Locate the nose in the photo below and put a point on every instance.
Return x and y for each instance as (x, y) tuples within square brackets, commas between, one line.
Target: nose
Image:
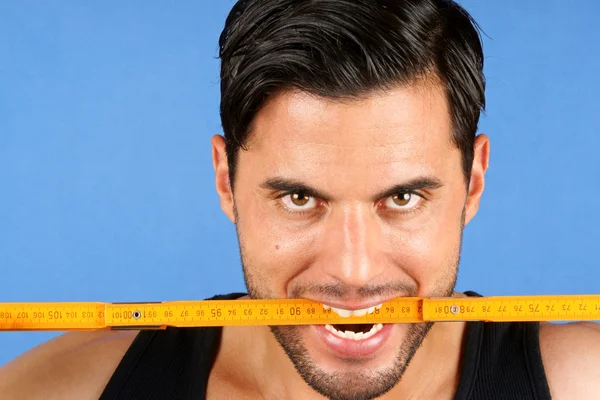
[(353, 246)]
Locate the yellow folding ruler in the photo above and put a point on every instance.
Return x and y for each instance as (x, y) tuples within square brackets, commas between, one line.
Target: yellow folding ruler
[(95, 316)]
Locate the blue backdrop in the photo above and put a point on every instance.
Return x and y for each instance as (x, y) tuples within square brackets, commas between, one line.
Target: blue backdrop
[(106, 181)]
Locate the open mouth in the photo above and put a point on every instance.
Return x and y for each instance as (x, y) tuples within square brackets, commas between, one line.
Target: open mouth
[(354, 331)]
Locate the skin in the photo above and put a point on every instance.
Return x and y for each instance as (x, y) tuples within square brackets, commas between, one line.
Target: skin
[(353, 235), (351, 239)]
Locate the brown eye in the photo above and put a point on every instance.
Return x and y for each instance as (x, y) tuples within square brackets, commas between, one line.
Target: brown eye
[(402, 199), (299, 199)]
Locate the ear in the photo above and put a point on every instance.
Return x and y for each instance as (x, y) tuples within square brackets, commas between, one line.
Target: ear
[(222, 184), (477, 181)]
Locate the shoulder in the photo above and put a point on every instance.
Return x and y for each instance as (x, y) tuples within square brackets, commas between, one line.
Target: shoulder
[(571, 354), (72, 365)]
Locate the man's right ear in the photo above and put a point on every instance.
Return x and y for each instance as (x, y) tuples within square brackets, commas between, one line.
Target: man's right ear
[(222, 183)]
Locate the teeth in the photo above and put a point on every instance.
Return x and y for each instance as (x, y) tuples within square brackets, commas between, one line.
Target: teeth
[(360, 313), (342, 312), (352, 335), (356, 313)]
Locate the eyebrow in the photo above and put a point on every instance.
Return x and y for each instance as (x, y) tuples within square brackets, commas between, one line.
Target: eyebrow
[(297, 186)]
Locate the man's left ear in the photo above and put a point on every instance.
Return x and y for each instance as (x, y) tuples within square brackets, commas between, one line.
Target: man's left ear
[(477, 181)]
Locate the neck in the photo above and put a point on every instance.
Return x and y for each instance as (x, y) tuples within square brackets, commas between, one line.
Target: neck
[(434, 372)]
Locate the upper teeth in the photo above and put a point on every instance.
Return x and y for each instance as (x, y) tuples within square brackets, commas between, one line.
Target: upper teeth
[(357, 313)]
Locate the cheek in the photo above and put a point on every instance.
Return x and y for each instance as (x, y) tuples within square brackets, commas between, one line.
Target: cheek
[(428, 249), (274, 248)]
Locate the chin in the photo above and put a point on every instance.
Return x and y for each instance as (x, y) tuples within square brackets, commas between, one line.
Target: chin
[(343, 368), (388, 347)]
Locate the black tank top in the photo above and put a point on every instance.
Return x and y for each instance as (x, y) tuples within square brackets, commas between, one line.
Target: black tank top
[(500, 361)]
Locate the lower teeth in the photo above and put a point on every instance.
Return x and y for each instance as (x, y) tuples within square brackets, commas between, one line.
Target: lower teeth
[(357, 328), (353, 335)]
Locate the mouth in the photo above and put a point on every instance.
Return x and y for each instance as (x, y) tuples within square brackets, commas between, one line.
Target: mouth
[(354, 331), (353, 340)]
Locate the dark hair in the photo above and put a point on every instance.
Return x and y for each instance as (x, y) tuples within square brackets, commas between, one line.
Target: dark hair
[(345, 49)]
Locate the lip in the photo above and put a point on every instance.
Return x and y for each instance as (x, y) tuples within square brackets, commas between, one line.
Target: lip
[(354, 306), (349, 348)]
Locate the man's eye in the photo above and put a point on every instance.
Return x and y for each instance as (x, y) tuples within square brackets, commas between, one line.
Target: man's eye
[(403, 201), (298, 201)]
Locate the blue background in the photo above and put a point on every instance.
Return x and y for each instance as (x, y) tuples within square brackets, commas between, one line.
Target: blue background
[(106, 181)]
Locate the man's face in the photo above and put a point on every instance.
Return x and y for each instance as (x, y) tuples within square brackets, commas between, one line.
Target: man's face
[(351, 204)]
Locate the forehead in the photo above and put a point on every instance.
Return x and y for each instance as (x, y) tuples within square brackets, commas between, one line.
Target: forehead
[(407, 128)]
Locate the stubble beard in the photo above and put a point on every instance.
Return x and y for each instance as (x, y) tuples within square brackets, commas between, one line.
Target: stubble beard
[(343, 385)]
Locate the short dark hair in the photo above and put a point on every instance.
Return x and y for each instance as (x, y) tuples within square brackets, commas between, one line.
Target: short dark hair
[(346, 49)]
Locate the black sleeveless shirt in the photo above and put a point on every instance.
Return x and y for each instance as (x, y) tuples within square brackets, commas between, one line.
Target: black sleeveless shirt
[(500, 361)]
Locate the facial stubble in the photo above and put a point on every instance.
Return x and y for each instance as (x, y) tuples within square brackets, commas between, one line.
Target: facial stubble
[(343, 385)]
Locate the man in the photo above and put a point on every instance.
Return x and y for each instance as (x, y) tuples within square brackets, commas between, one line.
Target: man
[(350, 166)]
